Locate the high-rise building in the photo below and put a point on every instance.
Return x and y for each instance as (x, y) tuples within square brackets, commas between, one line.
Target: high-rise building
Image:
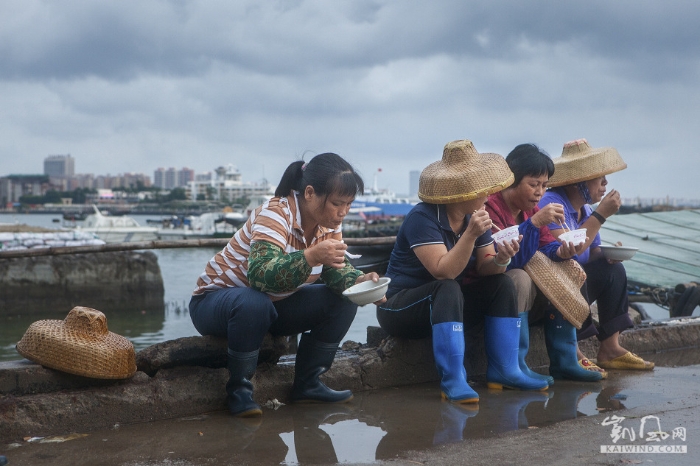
[(413, 178), (170, 178), (60, 166), (184, 176), (159, 177)]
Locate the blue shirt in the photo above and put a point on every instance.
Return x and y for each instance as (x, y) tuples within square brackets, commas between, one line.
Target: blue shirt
[(559, 196), (425, 224)]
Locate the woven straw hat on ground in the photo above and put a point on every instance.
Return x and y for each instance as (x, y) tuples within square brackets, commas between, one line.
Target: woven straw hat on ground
[(561, 283), (581, 162), (463, 174), (80, 345)]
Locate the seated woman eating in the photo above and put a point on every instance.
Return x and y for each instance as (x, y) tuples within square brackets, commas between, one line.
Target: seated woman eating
[(445, 273), (579, 180), (517, 205)]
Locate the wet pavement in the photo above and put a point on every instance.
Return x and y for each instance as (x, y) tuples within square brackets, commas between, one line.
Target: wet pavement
[(410, 425)]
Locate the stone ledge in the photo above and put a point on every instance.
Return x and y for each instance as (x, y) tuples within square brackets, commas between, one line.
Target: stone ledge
[(53, 402)]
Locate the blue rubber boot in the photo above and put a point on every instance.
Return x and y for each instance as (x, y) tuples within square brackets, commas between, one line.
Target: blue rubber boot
[(525, 347), (453, 421), (448, 349), (560, 337), (502, 339)]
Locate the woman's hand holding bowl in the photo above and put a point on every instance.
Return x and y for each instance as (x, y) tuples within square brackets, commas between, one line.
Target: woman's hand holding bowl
[(372, 276), (507, 250)]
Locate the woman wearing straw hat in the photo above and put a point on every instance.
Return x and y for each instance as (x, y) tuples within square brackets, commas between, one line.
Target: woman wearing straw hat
[(517, 205), (580, 180), (263, 281), (443, 241)]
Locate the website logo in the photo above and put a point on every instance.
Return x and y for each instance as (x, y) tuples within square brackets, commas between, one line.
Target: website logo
[(649, 438)]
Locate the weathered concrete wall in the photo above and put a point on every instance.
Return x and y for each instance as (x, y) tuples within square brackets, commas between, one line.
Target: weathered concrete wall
[(106, 281), (35, 401)]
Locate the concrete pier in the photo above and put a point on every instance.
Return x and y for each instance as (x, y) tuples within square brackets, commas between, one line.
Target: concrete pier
[(186, 377), (109, 281)]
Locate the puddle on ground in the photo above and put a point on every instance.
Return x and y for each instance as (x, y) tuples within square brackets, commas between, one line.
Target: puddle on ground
[(376, 425)]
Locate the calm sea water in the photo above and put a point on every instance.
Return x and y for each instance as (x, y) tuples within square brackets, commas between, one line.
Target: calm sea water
[(179, 268)]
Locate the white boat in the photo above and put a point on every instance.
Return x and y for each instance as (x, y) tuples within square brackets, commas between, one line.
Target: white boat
[(207, 225), (118, 229)]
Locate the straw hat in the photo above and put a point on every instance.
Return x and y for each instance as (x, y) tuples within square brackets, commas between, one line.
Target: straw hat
[(581, 162), (80, 345), (463, 174), (561, 283)]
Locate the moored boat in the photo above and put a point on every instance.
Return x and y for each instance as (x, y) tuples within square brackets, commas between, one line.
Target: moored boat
[(116, 229), (207, 225)]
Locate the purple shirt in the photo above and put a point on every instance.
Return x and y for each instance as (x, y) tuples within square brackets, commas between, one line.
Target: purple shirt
[(558, 195)]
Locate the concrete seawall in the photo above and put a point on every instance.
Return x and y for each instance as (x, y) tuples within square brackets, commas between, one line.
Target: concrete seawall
[(106, 281), (186, 377)]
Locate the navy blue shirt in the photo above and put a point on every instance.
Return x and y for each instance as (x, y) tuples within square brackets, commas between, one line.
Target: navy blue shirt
[(425, 224)]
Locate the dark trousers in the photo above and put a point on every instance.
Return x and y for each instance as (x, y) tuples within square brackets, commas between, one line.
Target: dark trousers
[(607, 284), (412, 312), (243, 315)]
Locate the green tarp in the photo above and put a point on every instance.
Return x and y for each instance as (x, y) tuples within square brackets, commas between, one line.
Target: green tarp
[(668, 242)]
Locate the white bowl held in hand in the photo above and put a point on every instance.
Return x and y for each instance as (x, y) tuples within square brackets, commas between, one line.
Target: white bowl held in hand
[(618, 253), (574, 236), (506, 235), (367, 292)]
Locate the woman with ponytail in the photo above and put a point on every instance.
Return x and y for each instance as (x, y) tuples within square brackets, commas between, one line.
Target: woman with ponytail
[(264, 280)]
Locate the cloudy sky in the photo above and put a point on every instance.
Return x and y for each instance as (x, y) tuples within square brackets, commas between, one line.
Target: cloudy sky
[(130, 86)]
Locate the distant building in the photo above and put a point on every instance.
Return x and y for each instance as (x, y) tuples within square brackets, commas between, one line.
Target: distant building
[(226, 186), (184, 176), (13, 187), (59, 166), (172, 178), (206, 176), (413, 177), (159, 178)]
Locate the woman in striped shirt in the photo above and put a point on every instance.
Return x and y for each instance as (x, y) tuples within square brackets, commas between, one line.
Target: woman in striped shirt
[(264, 280)]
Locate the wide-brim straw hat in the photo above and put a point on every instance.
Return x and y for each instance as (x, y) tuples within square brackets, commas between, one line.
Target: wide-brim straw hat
[(463, 174), (580, 162), (561, 283), (81, 345)]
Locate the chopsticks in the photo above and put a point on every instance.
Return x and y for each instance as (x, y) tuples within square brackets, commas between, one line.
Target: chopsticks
[(564, 226), (493, 225)]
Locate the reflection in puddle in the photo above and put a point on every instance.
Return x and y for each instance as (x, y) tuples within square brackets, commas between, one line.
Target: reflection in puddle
[(377, 425), (344, 441)]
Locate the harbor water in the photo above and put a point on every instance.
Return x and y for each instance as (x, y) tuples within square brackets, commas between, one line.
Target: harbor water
[(179, 268)]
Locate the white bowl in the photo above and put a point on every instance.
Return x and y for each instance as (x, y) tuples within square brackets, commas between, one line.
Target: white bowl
[(618, 253), (506, 235), (574, 236), (367, 292)]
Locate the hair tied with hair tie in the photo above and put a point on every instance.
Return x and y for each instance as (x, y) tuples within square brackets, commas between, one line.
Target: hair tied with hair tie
[(303, 167)]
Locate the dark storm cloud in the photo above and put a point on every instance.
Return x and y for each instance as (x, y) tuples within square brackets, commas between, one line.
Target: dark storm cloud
[(121, 84), (120, 40)]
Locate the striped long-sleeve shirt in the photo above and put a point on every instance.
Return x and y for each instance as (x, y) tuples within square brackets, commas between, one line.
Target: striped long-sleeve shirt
[(267, 254)]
